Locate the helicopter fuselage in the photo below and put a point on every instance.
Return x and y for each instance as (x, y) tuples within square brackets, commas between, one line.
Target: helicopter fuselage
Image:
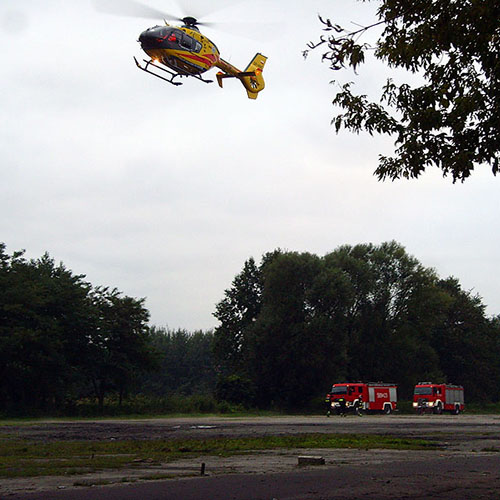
[(187, 52), (182, 49)]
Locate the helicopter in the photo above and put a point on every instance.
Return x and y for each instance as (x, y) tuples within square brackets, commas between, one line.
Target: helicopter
[(183, 51)]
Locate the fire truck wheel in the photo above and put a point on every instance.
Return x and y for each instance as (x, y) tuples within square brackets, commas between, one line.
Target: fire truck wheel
[(387, 409), (456, 411), (439, 409)]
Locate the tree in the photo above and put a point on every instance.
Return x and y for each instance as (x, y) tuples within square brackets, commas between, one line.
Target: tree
[(450, 120), (287, 352), (389, 315), (467, 343), (118, 343), (236, 312), (44, 312)]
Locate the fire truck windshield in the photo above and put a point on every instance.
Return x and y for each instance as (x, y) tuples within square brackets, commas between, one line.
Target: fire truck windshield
[(339, 390), (423, 391)]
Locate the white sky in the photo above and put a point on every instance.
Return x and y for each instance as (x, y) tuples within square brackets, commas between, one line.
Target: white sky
[(164, 192)]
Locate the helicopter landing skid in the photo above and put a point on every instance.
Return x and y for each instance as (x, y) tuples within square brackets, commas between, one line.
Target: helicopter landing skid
[(151, 63), (171, 73)]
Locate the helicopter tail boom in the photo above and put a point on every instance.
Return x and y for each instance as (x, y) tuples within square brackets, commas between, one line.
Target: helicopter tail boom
[(251, 78)]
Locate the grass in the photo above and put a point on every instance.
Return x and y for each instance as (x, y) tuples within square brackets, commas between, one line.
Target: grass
[(29, 420), (22, 458)]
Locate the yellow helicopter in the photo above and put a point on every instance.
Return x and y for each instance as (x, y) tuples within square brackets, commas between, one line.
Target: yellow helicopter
[(182, 51)]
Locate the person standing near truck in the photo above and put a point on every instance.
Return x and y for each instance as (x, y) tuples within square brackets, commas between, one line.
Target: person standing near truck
[(358, 406), (342, 407)]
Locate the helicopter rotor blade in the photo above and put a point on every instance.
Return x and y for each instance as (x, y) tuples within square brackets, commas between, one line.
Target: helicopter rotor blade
[(261, 31), (200, 10), (132, 8)]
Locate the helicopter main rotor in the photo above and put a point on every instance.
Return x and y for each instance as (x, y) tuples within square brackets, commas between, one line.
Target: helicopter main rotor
[(134, 8)]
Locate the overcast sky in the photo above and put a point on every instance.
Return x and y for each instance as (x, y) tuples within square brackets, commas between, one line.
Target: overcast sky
[(163, 192)]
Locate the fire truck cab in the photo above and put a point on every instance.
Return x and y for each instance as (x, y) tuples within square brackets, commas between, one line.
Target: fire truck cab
[(351, 396), (436, 398)]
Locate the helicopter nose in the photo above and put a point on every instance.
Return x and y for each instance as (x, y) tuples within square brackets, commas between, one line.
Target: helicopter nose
[(146, 39), (150, 40), (155, 38)]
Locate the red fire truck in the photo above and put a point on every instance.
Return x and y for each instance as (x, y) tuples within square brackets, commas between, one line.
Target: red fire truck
[(436, 398), (356, 396)]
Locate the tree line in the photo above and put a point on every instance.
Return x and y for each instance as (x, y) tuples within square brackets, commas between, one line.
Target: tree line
[(64, 341), (288, 328), (61, 338), (297, 322)]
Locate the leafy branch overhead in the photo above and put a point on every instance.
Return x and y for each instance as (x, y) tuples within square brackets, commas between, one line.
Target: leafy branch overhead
[(450, 119)]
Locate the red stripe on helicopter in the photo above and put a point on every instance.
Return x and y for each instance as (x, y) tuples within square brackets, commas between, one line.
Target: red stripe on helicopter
[(209, 59)]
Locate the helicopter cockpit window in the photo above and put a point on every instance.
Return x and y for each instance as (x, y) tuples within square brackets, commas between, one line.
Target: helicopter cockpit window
[(187, 42)]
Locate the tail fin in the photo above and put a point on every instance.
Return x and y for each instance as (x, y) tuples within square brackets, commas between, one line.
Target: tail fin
[(252, 78)]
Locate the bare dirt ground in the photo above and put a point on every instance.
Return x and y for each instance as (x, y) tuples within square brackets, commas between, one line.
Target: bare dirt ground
[(470, 443)]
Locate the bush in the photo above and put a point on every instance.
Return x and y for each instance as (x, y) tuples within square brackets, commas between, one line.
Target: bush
[(236, 390), (146, 405)]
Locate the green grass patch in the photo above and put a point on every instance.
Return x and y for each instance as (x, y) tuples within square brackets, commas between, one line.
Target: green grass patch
[(22, 458)]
